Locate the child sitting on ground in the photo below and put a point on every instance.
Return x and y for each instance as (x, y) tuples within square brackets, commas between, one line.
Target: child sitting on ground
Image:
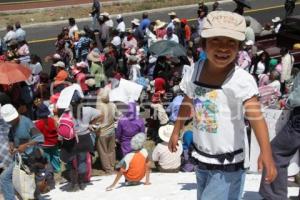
[(166, 161), (187, 164), (135, 165)]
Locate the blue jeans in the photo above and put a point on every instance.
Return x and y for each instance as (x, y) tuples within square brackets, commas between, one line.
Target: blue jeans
[(219, 185), (6, 183)]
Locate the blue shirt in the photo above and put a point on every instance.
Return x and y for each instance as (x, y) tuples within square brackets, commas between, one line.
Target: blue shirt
[(173, 108), (145, 23), (22, 133)]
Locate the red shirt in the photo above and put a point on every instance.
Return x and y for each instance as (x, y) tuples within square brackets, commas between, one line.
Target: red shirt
[(48, 130), (80, 78)]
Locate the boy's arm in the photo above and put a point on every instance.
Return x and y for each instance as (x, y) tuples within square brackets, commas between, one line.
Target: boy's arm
[(184, 112), (257, 121)]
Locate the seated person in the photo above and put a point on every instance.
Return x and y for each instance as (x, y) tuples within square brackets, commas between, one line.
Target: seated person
[(165, 160), (186, 161), (135, 165)]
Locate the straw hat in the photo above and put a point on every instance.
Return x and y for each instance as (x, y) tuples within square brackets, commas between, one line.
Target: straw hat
[(59, 64), (136, 21), (172, 13), (105, 14), (93, 56), (165, 132), (159, 24)]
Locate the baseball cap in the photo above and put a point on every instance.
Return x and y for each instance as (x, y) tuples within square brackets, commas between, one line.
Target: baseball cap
[(9, 112), (224, 23), (59, 64)]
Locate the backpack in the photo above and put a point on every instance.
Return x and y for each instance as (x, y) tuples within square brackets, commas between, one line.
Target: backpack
[(65, 127)]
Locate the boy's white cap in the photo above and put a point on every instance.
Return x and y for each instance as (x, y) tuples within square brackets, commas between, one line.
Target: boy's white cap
[(165, 132), (9, 112), (276, 19), (224, 23)]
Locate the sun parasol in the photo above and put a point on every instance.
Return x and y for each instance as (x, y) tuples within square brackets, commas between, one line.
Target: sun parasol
[(11, 73), (167, 48)]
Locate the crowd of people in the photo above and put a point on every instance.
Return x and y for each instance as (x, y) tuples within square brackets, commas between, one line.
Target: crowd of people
[(180, 109)]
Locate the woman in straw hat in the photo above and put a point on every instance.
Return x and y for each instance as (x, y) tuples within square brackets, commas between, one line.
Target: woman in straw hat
[(97, 69), (160, 29)]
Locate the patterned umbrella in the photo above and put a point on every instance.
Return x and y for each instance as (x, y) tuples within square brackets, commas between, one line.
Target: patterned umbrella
[(11, 73)]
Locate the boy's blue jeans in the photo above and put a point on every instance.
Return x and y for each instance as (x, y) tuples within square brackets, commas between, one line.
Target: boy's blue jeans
[(6, 183), (220, 185)]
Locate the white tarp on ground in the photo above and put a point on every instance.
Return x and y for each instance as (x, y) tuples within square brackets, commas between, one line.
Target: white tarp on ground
[(178, 186)]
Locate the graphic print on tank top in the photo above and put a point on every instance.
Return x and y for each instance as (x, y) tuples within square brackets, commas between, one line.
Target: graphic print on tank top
[(206, 109)]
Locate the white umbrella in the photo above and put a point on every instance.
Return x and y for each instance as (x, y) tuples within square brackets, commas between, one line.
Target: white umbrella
[(127, 91), (66, 95)]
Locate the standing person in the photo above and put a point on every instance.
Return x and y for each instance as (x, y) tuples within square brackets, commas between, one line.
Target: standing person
[(217, 106), (145, 23), (76, 151), (95, 13), (287, 61), (23, 136), (121, 27), (284, 146), (10, 34), (20, 33), (128, 126), (105, 141), (239, 8), (289, 7)]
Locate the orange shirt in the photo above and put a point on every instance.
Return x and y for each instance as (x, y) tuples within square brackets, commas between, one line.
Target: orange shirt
[(135, 165)]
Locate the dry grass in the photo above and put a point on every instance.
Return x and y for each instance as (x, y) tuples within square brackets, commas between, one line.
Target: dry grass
[(57, 14)]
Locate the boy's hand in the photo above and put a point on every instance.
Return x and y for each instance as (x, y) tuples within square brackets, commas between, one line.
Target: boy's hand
[(266, 162), (173, 143)]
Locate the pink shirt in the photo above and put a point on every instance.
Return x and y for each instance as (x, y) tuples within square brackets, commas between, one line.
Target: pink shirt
[(80, 78)]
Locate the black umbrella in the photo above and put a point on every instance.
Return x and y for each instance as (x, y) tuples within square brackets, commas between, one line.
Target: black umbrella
[(167, 48), (245, 3)]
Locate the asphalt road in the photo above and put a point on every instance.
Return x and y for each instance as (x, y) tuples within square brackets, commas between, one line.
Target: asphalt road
[(42, 38)]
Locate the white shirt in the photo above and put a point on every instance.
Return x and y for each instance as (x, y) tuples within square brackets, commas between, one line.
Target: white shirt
[(116, 41), (121, 27), (165, 158), (10, 35), (173, 38), (250, 35), (20, 34), (109, 23), (160, 113), (219, 114), (260, 68), (287, 65), (72, 31)]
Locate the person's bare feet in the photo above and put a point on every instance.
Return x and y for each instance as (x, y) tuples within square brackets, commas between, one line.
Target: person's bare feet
[(147, 183)]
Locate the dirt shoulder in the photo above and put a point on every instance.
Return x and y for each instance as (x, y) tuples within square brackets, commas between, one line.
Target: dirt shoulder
[(82, 11)]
